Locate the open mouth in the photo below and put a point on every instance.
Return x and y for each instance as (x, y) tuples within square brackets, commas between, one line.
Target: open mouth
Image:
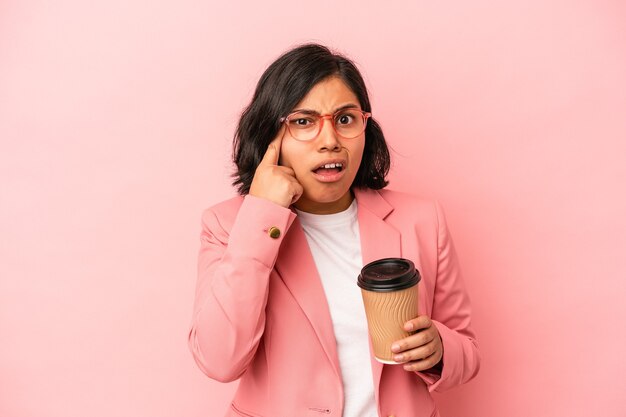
[(327, 169)]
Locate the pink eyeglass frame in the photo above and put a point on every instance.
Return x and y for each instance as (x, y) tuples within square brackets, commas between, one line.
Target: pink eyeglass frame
[(366, 115)]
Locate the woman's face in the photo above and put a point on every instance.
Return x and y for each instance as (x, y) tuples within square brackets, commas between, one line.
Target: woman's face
[(325, 190)]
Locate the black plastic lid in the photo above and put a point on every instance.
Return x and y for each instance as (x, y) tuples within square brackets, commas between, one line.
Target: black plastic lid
[(389, 274)]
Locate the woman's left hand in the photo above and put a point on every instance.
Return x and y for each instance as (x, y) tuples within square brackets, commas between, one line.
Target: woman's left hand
[(422, 350)]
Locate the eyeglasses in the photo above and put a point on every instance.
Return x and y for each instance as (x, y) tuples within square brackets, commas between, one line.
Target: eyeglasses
[(305, 125)]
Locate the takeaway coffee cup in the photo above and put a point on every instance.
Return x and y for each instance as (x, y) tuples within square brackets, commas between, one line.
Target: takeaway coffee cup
[(389, 289)]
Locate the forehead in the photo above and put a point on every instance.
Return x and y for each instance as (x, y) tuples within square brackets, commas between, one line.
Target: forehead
[(327, 95)]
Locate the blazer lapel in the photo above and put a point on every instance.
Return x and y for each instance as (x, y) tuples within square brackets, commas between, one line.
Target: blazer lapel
[(296, 267), (378, 240)]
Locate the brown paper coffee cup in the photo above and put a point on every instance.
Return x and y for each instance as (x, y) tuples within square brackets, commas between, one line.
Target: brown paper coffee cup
[(390, 293)]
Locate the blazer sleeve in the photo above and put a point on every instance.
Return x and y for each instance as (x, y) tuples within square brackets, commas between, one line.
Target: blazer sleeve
[(451, 314), (234, 268)]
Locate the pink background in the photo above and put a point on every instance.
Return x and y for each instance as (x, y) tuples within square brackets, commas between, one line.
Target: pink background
[(116, 120)]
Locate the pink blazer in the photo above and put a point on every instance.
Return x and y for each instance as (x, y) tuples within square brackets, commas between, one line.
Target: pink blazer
[(260, 313)]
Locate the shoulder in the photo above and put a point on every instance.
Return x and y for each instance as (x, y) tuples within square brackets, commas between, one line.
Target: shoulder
[(246, 211), (405, 208), (423, 212), (399, 199), (404, 202), (223, 214), (226, 207)]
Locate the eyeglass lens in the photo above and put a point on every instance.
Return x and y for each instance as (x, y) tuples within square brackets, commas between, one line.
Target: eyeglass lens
[(348, 123)]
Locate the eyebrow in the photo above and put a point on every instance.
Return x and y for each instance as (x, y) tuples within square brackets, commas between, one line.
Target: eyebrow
[(309, 111)]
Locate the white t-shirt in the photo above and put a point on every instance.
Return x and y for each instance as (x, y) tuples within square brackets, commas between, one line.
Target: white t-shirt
[(335, 243)]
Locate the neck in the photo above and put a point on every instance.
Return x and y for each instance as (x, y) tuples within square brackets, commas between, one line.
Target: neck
[(315, 207)]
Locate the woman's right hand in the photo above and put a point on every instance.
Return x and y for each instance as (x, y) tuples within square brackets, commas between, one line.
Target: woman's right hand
[(274, 182)]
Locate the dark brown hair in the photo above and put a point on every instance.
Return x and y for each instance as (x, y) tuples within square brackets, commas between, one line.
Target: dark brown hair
[(281, 87)]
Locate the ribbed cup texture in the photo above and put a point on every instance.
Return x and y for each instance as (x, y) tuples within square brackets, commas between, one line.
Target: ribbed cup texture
[(386, 314)]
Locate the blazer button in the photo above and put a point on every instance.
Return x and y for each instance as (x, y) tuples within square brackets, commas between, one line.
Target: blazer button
[(274, 232)]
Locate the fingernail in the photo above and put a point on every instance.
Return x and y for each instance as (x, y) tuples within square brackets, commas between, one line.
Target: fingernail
[(395, 348), (398, 358), (408, 326)]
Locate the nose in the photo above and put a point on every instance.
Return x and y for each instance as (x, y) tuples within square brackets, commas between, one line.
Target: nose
[(327, 139)]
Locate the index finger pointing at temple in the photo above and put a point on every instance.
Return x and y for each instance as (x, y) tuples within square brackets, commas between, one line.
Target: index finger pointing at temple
[(272, 154)]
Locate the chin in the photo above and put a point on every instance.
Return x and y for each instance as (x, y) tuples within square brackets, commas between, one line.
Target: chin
[(328, 196)]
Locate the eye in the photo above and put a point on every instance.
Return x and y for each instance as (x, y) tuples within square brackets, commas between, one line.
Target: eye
[(345, 118), (301, 120)]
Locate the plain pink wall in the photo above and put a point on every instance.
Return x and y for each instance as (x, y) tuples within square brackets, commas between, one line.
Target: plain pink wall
[(115, 122)]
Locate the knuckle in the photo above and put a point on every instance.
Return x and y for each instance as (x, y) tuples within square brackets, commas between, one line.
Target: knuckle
[(422, 338), (411, 367)]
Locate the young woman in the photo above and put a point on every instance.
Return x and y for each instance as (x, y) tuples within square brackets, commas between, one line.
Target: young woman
[(277, 305)]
